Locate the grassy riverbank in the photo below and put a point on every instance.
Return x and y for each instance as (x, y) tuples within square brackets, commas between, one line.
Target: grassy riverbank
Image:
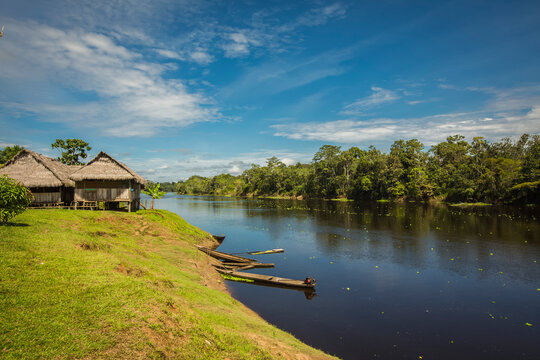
[(83, 284)]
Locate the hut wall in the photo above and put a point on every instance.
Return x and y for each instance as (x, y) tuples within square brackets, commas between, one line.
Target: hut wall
[(68, 194), (102, 190), (50, 195), (135, 196)]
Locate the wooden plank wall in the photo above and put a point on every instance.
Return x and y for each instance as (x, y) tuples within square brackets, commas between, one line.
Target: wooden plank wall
[(47, 197), (110, 194)]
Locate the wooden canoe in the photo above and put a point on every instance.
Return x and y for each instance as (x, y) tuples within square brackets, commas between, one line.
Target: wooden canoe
[(268, 279), (254, 264), (262, 252), (219, 238), (224, 256)]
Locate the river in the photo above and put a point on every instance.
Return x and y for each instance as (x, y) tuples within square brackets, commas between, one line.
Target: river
[(394, 281)]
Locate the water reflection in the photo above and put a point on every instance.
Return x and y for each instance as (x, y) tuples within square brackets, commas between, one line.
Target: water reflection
[(395, 280)]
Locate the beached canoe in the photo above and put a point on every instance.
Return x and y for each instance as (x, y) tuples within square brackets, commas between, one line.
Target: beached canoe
[(308, 283), (219, 238), (254, 264), (262, 252), (224, 256)]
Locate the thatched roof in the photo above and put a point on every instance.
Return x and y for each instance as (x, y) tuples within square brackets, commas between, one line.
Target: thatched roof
[(35, 170), (104, 167)]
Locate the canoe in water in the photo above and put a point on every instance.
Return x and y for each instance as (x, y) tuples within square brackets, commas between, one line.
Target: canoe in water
[(224, 256), (273, 251), (219, 238), (308, 283)]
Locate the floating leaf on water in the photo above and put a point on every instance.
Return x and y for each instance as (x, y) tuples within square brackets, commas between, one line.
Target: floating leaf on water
[(418, 272), (348, 289), (480, 269), (451, 259), (431, 249), (376, 266), (528, 324), (493, 302), (490, 254), (331, 262)]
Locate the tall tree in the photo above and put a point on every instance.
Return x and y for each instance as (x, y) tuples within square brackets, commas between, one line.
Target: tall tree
[(74, 150), (8, 153)]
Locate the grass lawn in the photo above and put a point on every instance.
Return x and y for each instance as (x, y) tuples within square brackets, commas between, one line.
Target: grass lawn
[(94, 284)]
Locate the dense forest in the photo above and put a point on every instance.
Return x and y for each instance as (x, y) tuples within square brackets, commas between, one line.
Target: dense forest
[(454, 170)]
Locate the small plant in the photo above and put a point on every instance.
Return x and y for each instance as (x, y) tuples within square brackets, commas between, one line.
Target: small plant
[(153, 191), (14, 199)]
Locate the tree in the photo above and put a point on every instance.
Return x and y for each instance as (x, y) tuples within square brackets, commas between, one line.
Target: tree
[(14, 198), (73, 150), (153, 191), (8, 153)]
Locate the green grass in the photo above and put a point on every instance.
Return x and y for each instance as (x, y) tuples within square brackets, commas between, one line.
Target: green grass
[(94, 284)]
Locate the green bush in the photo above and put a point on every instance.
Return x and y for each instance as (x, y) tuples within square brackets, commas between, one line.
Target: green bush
[(14, 198)]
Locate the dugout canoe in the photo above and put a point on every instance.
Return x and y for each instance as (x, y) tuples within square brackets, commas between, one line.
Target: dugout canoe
[(224, 256), (254, 264), (262, 252), (268, 279)]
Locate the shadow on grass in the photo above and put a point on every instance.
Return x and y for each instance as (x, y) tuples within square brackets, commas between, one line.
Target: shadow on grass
[(13, 224)]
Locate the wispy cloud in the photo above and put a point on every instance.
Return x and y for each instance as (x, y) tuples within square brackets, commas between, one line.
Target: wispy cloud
[(273, 77), (165, 168), (508, 113), (133, 97), (378, 96), (316, 16)]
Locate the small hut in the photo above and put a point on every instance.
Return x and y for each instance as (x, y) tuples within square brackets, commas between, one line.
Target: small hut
[(47, 179), (107, 180)]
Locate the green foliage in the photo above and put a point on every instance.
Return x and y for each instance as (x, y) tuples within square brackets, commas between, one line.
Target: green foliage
[(453, 170), (73, 150), (8, 153), (14, 198), (168, 186), (152, 189)]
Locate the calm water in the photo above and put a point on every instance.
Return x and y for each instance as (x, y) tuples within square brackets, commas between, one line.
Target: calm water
[(393, 281)]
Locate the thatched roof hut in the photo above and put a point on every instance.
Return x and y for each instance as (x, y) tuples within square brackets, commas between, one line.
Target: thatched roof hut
[(34, 170), (104, 167)]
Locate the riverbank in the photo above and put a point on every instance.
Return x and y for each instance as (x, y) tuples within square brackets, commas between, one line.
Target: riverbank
[(92, 284)]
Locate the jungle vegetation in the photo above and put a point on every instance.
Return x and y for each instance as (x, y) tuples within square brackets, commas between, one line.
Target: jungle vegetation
[(454, 170)]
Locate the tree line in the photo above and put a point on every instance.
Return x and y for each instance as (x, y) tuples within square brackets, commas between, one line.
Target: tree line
[(454, 170)]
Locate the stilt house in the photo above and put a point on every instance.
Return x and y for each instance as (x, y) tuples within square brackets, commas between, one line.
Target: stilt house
[(47, 179), (106, 180)]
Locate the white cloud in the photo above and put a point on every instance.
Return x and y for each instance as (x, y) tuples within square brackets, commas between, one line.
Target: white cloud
[(169, 54), (429, 129), (238, 45), (320, 16), (201, 57), (379, 96), (132, 98), (288, 161), (167, 168)]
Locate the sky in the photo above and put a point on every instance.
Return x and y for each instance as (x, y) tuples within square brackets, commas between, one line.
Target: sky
[(178, 88)]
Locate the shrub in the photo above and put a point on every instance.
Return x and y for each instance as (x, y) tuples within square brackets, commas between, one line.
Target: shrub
[(14, 198)]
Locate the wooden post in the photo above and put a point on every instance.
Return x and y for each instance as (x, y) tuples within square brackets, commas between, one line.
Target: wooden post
[(129, 195)]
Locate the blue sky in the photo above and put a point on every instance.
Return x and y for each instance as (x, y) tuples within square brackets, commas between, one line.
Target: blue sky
[(177, 88)]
